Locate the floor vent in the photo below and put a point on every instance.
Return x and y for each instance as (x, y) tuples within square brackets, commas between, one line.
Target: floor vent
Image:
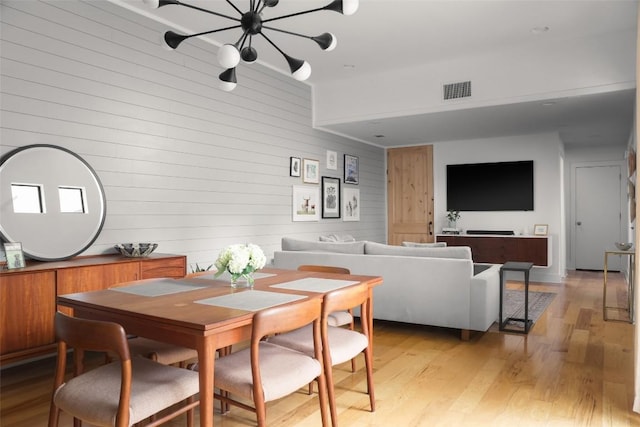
[(457, 90)]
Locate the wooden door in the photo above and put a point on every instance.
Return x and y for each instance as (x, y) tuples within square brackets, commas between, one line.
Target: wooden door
[(410, 194)]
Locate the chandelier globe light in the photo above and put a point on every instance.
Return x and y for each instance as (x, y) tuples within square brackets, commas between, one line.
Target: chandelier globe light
[(252, 24)]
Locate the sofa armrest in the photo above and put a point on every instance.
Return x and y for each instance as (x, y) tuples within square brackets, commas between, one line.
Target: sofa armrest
[(485, 296)]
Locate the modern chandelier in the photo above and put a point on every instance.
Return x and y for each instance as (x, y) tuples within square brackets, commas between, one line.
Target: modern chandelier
[(252, 24)]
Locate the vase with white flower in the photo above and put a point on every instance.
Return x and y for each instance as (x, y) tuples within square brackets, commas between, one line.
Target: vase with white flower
[(240, 261), (453, 217)]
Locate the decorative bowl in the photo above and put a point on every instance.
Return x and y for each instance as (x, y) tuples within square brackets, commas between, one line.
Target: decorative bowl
[(136, 250), (624, 246)]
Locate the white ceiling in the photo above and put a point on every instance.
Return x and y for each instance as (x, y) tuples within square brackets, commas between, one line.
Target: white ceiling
[(385, 34)]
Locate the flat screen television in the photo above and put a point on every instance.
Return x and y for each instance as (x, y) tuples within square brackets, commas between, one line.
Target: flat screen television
[(502, 186)]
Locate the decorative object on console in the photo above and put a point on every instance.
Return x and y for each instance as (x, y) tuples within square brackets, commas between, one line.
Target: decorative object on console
[(624, 246), (241, 261), (453, 216), (135, 250), (13, 254), (252, 23), (540, 230)]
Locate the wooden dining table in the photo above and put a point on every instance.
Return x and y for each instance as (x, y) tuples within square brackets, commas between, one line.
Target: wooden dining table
[(203, 312)]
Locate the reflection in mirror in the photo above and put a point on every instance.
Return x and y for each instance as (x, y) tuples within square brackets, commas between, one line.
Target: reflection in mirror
[(71, 200), (27, 198), (62, 189)]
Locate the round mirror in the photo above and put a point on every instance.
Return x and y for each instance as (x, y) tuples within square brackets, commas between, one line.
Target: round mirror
[(51, 201)]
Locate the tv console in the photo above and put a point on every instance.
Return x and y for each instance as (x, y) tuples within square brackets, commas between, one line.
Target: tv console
[(498, 249)]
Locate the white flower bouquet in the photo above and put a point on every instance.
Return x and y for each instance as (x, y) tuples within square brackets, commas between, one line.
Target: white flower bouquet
[(240, 260)]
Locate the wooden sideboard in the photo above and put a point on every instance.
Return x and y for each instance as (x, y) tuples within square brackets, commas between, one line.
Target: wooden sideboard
[(496, 249), (28, 295)]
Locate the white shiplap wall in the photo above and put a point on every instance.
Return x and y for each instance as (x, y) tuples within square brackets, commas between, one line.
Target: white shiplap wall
[(182, 163)]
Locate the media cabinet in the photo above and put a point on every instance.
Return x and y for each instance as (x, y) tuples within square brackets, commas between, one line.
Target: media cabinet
[(499, 249), (28, 294)]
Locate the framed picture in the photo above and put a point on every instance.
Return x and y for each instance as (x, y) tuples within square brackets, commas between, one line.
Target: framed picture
[(540, 229), (14, 255), (305, 203), (294, 166), (330, 197), (351, 169), (310, 171), (332, 160), (351, 204)]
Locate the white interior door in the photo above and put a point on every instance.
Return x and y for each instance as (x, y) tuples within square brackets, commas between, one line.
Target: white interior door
[(598, 215)]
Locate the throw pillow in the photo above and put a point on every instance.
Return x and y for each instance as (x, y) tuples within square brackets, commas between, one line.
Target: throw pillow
[(458, 252), (337, 238), (290, 244)]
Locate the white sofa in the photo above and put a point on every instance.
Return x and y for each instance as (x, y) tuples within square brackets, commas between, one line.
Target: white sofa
[(437, 286)]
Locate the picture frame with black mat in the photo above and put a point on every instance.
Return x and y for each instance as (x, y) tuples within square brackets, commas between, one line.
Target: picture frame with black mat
[(330, 197)]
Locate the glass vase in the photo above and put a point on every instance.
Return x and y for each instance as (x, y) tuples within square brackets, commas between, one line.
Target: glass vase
[(241, 282)]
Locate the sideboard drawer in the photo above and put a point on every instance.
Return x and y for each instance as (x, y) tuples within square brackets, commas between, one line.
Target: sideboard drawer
[(174, 267)]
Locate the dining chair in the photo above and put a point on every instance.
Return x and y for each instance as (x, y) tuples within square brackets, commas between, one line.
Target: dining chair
[(168, 354), (264, 372), (339, 344), (121, 393), (337, 318)]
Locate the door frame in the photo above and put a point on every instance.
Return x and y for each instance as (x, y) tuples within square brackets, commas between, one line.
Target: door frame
[(624, 206)]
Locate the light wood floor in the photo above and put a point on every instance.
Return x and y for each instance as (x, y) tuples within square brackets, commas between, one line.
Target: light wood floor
[(573, 369)]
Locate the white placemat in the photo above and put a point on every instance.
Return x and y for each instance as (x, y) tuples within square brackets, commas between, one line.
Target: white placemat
[(226, 276), (158, 287), (251, 300), (315, 284)]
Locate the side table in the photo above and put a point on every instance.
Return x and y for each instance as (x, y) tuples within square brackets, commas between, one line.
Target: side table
[(524, 267), (630, 290)]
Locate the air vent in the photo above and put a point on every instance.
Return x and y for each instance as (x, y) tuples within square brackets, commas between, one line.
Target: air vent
[(457, 90)]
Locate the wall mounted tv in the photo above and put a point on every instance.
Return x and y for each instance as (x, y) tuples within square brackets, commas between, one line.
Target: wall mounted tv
[(502, 186)]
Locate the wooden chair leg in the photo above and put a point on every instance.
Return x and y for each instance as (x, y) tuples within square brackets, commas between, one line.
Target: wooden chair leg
[(368, 360)]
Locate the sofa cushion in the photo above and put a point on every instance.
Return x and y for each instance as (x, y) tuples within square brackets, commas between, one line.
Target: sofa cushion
[(457, 252), (290, 244), (425, 245), (337, 238)]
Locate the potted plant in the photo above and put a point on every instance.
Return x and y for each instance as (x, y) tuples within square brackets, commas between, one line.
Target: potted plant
[(453, 217)]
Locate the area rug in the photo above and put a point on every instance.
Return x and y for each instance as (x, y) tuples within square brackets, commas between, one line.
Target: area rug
[(513, 305)]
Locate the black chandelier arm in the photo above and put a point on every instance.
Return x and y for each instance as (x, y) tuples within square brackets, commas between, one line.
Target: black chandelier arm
[(324, 40), (187, 36), (206, 10), (286, 32), (234, 6), (280, 30), (274, 45), (294, 63)]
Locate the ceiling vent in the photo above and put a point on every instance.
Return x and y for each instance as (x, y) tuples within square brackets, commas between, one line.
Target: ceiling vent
[(457, 90)]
